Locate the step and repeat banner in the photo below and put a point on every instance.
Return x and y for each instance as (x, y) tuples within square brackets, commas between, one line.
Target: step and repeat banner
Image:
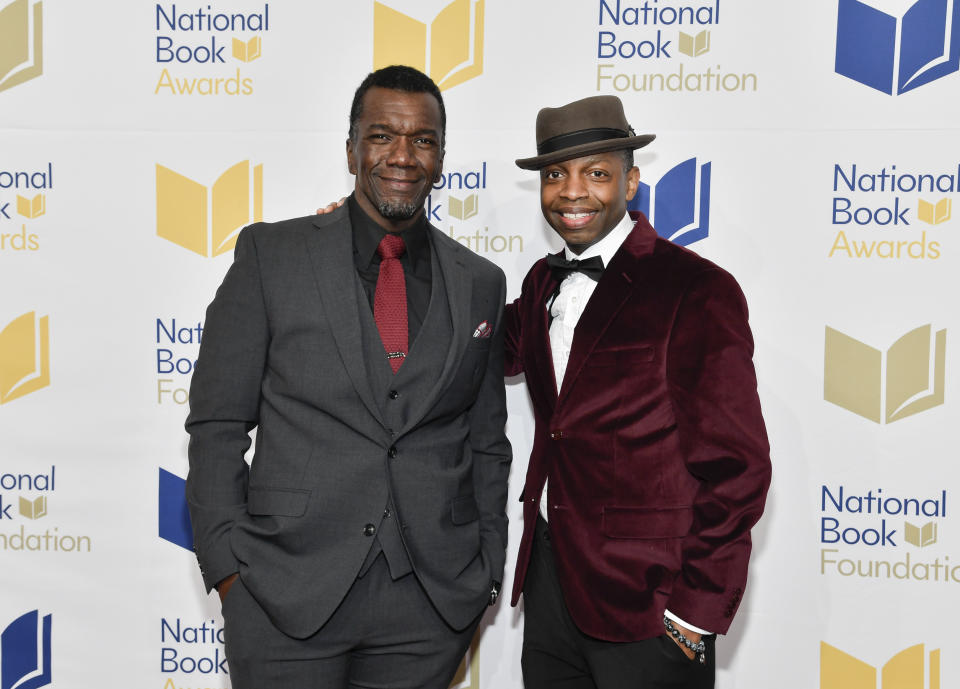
[(810, 149)]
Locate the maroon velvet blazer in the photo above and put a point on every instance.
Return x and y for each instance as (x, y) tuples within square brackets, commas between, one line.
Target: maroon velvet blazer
[(655, 447)]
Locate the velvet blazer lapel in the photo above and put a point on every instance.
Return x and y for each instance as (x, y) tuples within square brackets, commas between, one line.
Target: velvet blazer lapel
[(615, 287), (543, 377)]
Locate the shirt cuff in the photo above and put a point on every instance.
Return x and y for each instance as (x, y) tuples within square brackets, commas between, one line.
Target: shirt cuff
[(684, 623)]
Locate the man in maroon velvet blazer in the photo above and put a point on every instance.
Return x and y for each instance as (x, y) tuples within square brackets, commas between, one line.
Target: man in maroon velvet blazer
[(650, 461)]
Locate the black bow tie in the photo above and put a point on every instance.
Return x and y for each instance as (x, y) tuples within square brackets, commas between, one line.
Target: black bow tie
[(561, 267)]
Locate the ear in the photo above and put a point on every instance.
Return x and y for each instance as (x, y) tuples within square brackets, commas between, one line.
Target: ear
[(351, 161), (633, 182), (439, 174)]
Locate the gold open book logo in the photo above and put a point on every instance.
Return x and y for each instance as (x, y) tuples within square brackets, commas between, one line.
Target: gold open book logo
[(934, 213), (24, 356), (694, 45), (246, 51), (920, 536), (33, 509), (207, 221), (21, 43), (906, 670), (464, 209), (32, 207), (885, 387), (449, 49)]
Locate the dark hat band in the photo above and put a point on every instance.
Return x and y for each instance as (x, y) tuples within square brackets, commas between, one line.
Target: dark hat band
[(584, 136)]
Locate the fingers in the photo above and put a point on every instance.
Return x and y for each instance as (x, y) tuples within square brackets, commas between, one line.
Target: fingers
[(686, 651), (332, 206), (224, 586)]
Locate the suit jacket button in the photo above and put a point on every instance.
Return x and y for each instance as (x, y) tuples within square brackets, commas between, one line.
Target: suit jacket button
[(393, 394), (392, 452), (369, 530)]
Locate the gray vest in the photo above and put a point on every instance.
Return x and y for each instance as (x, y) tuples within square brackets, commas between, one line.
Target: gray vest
[(398, 395)]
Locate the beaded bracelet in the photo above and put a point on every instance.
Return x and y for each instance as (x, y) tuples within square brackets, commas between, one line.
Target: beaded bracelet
[(698, 648)]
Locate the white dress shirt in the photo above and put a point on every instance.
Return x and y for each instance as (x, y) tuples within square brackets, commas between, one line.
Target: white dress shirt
[(566, 309)]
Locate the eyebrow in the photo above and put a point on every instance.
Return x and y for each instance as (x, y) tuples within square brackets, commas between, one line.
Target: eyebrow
[(595, 158), (587, 160), (386, 127)]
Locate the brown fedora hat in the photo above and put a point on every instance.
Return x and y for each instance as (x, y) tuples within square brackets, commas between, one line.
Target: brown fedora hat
[(583, 127)]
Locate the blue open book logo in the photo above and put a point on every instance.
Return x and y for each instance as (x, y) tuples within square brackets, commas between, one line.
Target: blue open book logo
[(896, 54), (174, 518), (25, 652), (678, 206)]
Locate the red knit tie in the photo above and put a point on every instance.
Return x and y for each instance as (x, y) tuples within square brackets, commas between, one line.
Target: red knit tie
[(390, 300)]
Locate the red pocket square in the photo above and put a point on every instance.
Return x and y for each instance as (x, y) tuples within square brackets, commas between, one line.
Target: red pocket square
[(483, 331)]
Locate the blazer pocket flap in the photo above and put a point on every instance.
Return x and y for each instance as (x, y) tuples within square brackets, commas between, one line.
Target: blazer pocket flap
[(647, 523), (281, 502), (621, 356), (463, 510)]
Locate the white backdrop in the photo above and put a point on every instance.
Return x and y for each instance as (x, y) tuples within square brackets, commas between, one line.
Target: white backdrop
[(91, 415)]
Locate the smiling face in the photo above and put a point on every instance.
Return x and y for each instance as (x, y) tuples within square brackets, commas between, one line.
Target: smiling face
[(584, 198), (396, 155)]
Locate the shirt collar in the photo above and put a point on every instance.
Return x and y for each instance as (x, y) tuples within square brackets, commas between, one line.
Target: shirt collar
[(367, 235), (607, 246)]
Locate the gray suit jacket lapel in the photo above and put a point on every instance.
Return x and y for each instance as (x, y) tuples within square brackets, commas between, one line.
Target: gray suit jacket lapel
[(446, 254), (331, 253)]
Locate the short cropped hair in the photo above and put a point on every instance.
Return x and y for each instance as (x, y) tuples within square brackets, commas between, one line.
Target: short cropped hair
[(400, 78)]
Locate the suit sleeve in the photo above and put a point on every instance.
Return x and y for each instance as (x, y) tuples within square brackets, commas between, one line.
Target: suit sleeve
[(515, 313), (224, 408), (513, 359), (490, 448), (724, 445)]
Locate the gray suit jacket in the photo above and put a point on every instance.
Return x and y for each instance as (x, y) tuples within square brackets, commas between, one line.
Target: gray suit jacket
[(282, 351)]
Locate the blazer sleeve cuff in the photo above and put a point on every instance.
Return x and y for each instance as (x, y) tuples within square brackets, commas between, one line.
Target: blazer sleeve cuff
[(714, 610), (217, 563)]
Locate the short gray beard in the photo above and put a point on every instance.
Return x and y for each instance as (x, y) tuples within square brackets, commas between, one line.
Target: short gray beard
[(397, 211)]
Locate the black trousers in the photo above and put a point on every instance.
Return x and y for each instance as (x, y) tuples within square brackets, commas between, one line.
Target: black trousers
[(557, 655), (386, 634)]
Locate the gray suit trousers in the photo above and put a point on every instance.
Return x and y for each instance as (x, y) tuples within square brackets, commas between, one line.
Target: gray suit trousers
[(385, 634)]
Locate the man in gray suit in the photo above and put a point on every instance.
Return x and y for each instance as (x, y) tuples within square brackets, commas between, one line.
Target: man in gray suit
[(368, 534)]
